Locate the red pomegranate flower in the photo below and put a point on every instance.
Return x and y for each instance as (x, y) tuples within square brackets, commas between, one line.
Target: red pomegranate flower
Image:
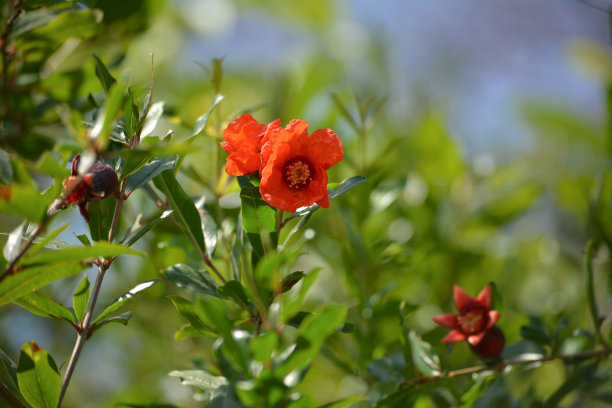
[(475, 317), (294, 165), (243, 144)]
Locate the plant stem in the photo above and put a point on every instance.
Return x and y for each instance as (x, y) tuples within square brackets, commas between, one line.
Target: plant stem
[(85, 324), (83, 334), (600, 353)]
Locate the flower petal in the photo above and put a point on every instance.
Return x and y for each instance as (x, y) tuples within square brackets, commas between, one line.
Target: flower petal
[(448, 320), (324, 148), (484, 297), (474, 339), (454, 337), (493, 318), (461, 298)]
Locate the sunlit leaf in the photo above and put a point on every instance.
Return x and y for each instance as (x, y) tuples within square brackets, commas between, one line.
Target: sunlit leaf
[(335, 192), (423, 356), (38, 377), (24, 201), (149, 171), (122, 300), (104, 124), (121, 319), (99, 249), (186, 277), (153, 116), (199, 378)]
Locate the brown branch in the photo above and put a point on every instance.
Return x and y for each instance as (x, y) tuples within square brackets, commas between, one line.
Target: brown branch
[(599, 353)]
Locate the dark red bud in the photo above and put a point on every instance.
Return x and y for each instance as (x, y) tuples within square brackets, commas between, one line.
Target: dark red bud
[(103, 179), (491, 345)]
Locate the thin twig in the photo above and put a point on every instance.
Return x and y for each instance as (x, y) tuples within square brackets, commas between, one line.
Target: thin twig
[(600, 353), (84, 333)]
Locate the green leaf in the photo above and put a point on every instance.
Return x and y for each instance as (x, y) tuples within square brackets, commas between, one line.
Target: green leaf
[(292, 304), (186, 277), (10, 366), (24, 201), (209, 226), (41, 305), (291, 280), (149, 171), (188, 311), (100, 218), (319, 326), (345, 186), (200, 379), (423, 357), (257, 216), (80, 299), (122, 319), (233, 290), (536, 331), (140, 232), (121, 300), (185, 211), (100, 249), (268, 272), (104, 76), (84, 239), (38, 377), (47, 164), (153, 116), (105, 121), (22, 283), (201, 122), (134, 161)]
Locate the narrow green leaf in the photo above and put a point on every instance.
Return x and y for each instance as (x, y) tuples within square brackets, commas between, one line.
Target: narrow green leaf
[(104, 76), (186, 331), (149, 171), (200, 379), (209, 226), (201, 122), (121, 300), (10, 366), (186, 277), (100, 218), (187, 310), (235, 291), (104, 124), (140, 232), (153, 116), (269, 269), (38, 377), (80, 298), (122, 319), (22, 283), (41, 305), (185, 211), (424, 358), (98, 250), (84, 239), (291, 280), (134, 161)]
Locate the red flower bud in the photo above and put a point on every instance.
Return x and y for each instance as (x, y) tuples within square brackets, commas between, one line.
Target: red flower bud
[(491, 345)]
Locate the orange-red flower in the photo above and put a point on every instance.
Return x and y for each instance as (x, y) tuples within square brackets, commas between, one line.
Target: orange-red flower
[(294, 165), (243, 144), (474, 319)]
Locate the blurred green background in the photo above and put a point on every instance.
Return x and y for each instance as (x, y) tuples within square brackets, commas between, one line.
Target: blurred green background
[(482, 128)]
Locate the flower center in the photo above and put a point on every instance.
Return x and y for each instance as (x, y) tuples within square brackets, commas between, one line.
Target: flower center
[(473, 321), (297, 173)]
